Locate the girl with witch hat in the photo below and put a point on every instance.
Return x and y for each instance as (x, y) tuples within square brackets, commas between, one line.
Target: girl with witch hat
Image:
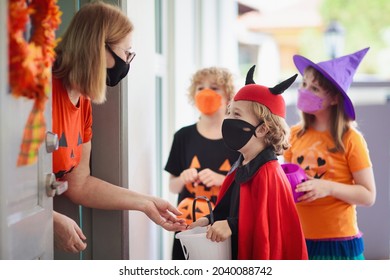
[(334, 155), (255, 206)]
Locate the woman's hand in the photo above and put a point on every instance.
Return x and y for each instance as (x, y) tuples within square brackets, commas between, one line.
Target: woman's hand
[(163, 214), (68, 236), (219, 231)]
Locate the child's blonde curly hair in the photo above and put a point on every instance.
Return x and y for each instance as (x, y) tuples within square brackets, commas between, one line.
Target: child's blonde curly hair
[(278, 130), (222, 76)]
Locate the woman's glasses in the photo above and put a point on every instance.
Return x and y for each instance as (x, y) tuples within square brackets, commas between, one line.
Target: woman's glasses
[(129, 55)]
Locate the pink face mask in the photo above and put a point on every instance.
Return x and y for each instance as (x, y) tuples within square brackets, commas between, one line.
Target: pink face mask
[(308, 102)]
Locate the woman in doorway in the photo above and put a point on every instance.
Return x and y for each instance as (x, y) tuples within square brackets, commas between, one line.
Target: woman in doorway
[(94, 52)]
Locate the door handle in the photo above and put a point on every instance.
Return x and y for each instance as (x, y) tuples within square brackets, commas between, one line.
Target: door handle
[(51, 142), (54, 187)]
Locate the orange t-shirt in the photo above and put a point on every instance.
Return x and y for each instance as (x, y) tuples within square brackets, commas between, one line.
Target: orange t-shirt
[(73, 125), (328, 217)]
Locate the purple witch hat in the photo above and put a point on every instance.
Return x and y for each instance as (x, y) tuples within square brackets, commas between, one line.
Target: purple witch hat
[(338, 71)]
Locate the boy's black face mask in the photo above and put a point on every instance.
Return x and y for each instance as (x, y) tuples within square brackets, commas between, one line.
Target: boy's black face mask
[(118, 71), (236, 133)]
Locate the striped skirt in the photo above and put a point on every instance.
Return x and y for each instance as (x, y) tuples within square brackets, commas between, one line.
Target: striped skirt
[(348, 248)]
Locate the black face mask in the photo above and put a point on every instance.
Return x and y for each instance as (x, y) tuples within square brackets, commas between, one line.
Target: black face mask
[(118, 71), (236, 133)]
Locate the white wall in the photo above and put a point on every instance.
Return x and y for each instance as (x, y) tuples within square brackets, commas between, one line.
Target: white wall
[(141, 86), (205, 35)]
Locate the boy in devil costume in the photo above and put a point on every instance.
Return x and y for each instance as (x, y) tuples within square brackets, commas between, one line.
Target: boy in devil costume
[(255, 205)]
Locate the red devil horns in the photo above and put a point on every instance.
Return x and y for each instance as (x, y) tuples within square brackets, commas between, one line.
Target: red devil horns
[(269, 97)]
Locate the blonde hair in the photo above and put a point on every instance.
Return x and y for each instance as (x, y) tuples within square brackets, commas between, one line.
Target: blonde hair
[(340, 123), (81, 53), (278, 129), (222, 77)]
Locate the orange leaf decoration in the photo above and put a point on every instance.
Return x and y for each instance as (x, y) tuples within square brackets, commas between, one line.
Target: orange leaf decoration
[(30, 64)]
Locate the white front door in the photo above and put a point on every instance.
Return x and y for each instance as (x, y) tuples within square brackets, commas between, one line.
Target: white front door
[(26, 223)]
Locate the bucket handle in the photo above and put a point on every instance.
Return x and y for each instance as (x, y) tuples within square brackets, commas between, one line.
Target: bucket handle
[(208, 204)]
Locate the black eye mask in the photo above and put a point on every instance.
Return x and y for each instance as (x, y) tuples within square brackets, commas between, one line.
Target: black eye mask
[(236, 133)]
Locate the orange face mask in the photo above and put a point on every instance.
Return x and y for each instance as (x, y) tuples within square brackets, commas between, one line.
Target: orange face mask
[(208, 101)]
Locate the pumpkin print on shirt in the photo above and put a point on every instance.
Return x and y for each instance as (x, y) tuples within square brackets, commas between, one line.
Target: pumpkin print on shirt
[(202, 209), (73, 125), (315, 161), (202, 190), (71, 151)]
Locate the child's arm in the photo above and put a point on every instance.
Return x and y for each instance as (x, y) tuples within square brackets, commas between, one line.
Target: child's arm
[(363, 192)]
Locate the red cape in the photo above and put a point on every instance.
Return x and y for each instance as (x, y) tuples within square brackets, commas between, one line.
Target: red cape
[(268, 222)]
